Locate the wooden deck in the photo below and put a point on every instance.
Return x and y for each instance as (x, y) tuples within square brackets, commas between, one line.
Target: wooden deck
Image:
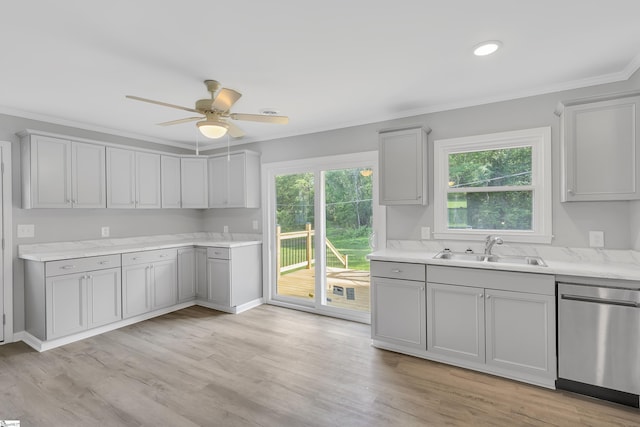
[(301, 284)]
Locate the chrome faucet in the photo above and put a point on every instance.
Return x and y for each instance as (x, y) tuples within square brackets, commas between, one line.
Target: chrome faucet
[(490, 241)]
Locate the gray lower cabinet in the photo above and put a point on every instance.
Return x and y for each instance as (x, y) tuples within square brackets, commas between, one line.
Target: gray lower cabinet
[(149, 281), (234, 275), (456, 321), (505, 321), (186, 274), (201, 273), (71, 296), (398, 304)]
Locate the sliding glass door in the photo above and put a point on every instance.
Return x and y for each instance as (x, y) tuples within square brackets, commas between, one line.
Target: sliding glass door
[(323, 216)]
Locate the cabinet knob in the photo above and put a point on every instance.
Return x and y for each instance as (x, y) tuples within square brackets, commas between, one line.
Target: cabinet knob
[(488, 296), (570, 192), (481, 295)]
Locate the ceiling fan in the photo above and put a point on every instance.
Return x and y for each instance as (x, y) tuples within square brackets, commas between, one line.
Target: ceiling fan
[(214, 112)]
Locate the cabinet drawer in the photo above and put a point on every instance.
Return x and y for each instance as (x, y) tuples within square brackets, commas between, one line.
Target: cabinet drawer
[(75, 265), (398, 270), (149, 256), (219, 253)]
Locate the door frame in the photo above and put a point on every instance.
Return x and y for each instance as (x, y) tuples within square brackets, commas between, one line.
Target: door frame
[(6, 280), (315, 164)]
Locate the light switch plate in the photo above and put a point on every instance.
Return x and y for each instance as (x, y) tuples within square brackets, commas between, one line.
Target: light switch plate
[(596, 239), (225, 229), (255, 224), (105, 231), (26, 230)]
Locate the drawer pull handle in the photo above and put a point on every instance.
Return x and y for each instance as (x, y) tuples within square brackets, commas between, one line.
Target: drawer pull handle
[(68, 267), (395, 270), (163, 255), (104, 262), (135, 258)]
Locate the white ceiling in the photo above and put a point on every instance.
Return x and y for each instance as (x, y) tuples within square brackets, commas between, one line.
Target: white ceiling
[(326, 65)]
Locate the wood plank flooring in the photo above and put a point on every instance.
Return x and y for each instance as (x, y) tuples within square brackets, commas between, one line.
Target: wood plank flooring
[(269, 366)]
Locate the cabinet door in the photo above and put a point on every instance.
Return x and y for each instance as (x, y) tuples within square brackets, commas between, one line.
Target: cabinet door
[(88, 175), (201, 273), (520, 332), (194, 183), (218, 182), (165, 283), (136, 290), (601, 160), (455, 318), (398, 310), (121, 178), (66, 305), (219, 280), (104, 293), (50, 172), (186, 274), (236, 181), (170, 181), (402, 167), (147, 180)]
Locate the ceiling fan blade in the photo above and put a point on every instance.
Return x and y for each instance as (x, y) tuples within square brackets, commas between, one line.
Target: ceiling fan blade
[(164, 104), (263, 118), (225, 99), (234, 130), (177, 122)]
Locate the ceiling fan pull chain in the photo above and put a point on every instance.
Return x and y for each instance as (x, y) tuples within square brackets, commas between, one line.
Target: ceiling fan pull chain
[(228, 154)]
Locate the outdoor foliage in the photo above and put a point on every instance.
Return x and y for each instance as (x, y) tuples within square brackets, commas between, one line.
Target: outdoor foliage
[(482, 208)]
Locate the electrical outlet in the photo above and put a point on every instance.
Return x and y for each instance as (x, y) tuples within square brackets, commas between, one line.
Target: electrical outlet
[(425, 233), (596, 239), (105, 231), (255, 224), (26, 230), (225, 229)]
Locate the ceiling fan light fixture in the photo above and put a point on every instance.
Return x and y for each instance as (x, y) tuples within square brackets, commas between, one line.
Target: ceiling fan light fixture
[(487, 48), (213, 129)]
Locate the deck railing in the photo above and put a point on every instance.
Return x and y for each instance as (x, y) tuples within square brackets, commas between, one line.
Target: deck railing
[(295, 250)]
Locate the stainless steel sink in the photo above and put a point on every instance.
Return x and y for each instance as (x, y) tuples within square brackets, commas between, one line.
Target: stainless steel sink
[(460, 256), (504, 259)]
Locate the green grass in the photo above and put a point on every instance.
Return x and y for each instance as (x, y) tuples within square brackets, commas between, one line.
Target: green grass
[(356, 247)]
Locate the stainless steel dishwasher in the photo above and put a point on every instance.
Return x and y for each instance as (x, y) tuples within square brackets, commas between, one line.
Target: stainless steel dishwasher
[(599, 342)]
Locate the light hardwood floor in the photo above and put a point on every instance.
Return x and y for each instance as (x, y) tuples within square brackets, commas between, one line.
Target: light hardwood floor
[(269, 366)]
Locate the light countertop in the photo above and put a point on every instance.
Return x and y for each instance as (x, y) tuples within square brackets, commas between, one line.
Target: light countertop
[(603, 268), (87, 248)]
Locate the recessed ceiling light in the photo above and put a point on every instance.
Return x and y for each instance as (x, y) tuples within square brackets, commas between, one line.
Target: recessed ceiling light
[(487, 48)]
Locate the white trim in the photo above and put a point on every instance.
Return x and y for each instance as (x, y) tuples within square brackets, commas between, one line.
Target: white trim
[(315, 165), (540, 141), (7, 235)]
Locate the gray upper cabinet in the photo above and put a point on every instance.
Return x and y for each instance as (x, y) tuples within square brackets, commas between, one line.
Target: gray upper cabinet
[(59, 173), (234, 180), (170, 181), (194, 182), (133, 179), (403, 167), (600, 155)]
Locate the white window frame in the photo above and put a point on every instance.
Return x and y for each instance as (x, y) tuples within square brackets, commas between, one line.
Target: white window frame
[(539, 139)]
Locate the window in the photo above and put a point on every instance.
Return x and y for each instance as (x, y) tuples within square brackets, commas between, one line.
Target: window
[(498, 183)]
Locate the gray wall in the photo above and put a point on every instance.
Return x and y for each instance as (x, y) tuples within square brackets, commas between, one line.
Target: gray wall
[(52, 225), (571, 221)]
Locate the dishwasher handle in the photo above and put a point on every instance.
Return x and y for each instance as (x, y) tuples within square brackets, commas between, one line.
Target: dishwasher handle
[(595, 300)]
